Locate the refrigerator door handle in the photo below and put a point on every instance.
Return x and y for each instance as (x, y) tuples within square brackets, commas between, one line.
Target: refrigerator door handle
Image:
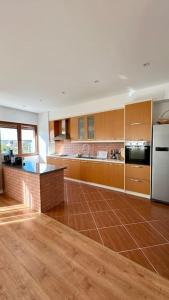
[(161, 148)]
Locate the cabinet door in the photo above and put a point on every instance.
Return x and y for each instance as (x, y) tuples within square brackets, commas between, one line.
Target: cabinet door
[(114, 175), (51, 131), (118, 124), (90, 127), (74, 169), (138, 121), (137, 178), (99, 126), (97, 172), (85, 170), (74, 128)]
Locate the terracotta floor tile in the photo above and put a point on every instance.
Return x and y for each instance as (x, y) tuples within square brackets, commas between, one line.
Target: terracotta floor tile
[(138, 257), (93, 234), (89, 188), (105, 219), (159, 257), (128, 216), (145, 235), (81, 222), (155, 211), (162, 226), (118, 203), (98, 205), (75, 196), (107, 194), (59, 210), (117, 238), (62, 219), (78, 208), (93, 196)]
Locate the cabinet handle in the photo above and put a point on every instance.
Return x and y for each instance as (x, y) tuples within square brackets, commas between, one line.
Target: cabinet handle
[(136, 180), (136, 123), (139, 167)]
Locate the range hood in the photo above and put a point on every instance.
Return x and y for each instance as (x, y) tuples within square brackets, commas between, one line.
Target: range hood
[(62, 130)]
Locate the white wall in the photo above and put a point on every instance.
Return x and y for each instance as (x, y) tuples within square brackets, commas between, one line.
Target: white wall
[(18, 116), (159, 108), (157, 92), (43, 135)]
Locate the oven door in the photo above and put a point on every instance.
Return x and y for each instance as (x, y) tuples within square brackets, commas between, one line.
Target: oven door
[(137, 155)]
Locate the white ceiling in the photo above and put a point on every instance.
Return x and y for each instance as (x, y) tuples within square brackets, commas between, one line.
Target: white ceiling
[(51, 46)]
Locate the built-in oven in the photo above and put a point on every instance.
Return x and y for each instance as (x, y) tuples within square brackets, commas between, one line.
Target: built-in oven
[(137, 152)]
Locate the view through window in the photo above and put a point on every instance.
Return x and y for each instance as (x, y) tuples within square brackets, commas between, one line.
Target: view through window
[(19, 138)]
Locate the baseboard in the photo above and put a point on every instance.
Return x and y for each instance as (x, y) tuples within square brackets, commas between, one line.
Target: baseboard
[(138, 194), (109, 188), (96, 184)]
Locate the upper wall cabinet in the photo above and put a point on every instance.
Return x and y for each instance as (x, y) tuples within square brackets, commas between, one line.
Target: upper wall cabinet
[(114, 125), (109, 125), (99, 126), (51, 131), (74, 128), (138, 121)]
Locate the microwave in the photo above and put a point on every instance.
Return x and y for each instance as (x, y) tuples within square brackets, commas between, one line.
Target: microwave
[(137, 152)]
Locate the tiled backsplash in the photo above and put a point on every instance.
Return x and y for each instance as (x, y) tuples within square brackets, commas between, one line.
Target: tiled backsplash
[(66, 147)]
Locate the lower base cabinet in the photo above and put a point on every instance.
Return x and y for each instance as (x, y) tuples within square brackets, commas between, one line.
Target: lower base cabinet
[(137, 178), (110, 174)]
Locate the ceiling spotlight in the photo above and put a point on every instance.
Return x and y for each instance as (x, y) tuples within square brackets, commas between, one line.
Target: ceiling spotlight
[(63, 92), (123, 77), (96, 81), (146, 64), (131, 92)]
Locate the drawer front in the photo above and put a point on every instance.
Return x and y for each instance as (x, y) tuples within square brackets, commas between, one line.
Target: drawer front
[(137, 171), (137, 185)]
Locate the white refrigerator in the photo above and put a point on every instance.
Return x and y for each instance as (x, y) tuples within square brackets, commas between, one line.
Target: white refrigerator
[(160, 163)]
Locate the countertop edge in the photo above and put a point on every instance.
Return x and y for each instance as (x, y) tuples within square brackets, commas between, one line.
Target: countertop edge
[(88, 159), (31, 172)]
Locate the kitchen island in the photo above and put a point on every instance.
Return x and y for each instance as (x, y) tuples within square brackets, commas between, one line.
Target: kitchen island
[(37, 185)]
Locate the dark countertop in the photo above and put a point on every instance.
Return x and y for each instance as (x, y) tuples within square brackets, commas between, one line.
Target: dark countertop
[(36, 168)]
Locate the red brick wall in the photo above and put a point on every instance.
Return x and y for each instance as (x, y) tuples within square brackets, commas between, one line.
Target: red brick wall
[(39, 192), (52, 189), (23, 187), (67, 147)]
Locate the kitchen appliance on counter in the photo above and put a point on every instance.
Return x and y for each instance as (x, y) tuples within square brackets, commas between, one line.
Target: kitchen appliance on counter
[(160, 163), (137, 152), (102, 154)]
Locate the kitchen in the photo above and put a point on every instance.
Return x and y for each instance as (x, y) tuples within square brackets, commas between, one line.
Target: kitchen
[(84, 150)]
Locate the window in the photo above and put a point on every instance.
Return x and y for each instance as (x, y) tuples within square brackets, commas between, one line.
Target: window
[(20, 138), (28, 139), (9, 139)]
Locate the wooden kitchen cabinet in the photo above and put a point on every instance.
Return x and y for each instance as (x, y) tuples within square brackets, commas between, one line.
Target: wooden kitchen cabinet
[(137, 178), (138, 121), (85, 170), (114, 125), (51, 131), (74, 128), (114, 175), (99, 126)]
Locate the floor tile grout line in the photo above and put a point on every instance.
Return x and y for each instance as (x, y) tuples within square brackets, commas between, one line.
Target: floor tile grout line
[(145, 247), (136, 244), (138, 213), (150, 224), (95, 223)]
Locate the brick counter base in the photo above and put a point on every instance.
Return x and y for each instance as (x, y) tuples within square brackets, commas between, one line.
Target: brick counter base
[(39, 192)]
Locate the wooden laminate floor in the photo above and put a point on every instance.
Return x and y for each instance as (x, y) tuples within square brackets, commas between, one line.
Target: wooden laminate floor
[(134, 227), (42, 259)]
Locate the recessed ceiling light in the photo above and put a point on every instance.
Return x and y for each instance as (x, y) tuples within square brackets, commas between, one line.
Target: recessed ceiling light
[(131, 92), (63, 92), (146, 64), (96, 81), (41, 100), (123, 77)]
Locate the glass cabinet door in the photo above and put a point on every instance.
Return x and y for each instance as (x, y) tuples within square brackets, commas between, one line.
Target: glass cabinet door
[(81, 128), (90, 127)]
